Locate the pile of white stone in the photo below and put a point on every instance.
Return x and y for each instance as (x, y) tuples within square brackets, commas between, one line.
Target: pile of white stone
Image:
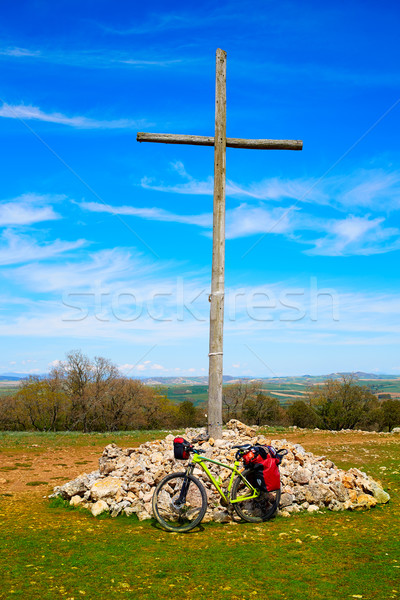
[(126, 478)]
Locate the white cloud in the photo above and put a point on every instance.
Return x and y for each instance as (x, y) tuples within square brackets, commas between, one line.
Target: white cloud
[(101, 268), (359, 189), (28, 209), (369, 188), (55, 363), (153, 214), (28, 112), (325, 317), (25, 249), (137, 62), (246, 220), (356, 236), (192, 187), (19, 52), (341, 237)]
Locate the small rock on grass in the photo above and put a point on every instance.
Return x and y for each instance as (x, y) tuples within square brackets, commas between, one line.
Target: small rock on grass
[(76, 500), (99, 507)]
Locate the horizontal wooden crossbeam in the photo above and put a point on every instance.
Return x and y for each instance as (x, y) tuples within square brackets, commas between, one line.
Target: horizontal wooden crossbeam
[(201, 140)]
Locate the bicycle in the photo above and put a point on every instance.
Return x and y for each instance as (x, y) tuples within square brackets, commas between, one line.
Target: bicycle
[(180, 499)]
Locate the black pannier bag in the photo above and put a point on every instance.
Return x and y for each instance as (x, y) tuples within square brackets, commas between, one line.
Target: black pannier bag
[(181, 448)]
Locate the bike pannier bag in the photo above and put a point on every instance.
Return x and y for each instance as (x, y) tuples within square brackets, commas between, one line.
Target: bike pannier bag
[(181, 448), (266, 476), (254, 454)]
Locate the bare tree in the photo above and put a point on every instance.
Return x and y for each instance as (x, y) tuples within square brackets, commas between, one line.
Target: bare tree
[(235, 396)]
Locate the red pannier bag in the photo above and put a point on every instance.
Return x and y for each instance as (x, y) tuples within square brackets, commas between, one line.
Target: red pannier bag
[(263, 462), (181, 448)]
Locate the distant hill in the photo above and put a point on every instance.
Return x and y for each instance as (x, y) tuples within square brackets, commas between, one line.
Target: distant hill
[(285, 389), (203, 379)]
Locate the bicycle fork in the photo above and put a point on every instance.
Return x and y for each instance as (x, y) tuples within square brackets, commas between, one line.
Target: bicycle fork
[(185, 485)]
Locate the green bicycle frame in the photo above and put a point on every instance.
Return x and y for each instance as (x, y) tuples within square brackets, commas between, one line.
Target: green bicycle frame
[(200, 460)]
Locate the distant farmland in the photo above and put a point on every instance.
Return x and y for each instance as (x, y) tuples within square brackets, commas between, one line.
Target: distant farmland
[(8, 387), (286, 390)]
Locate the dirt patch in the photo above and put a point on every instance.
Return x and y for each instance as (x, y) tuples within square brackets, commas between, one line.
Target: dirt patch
[(22, 473)]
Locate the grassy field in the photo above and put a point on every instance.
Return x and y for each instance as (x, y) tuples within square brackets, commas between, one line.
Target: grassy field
[(8, 387), (49, 551), (178, 393), (285, 391)]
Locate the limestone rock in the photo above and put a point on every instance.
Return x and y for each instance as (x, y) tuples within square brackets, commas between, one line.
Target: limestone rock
[(220, 516), (301, 476), (76, 500), (242, 429), (286, 500), (78, 486), (380, 495), (104, 488), (99, 507)]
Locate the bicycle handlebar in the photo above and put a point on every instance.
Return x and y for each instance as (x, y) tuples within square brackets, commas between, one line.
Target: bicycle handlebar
[(196, 450)]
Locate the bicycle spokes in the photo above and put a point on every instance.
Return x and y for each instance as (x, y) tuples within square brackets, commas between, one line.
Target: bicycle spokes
[(179, 501)]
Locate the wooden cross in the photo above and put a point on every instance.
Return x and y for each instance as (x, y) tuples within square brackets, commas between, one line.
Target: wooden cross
[(220, 142)]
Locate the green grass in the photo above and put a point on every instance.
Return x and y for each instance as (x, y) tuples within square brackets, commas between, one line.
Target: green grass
[(197, 394), (36, 483), (30, 441), (7, 391), (286, 391), (51, 551)]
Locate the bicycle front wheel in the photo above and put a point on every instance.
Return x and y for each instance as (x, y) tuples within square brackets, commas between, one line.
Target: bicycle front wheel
[(257, 509), (179, 502)]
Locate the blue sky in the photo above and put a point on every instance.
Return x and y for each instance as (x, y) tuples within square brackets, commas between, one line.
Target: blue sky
[(106, 243)]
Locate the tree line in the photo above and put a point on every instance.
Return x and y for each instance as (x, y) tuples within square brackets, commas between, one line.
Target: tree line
[(86, 395), (335, 404)]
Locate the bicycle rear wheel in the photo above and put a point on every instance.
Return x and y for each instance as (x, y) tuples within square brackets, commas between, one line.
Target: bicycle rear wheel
[(257, 509), (177, 511)]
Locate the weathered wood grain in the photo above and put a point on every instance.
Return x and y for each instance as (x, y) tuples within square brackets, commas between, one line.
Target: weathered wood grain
[(201, 140), (215, 370)]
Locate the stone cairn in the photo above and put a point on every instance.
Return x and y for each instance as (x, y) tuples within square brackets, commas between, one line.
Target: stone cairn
[(126, 478)]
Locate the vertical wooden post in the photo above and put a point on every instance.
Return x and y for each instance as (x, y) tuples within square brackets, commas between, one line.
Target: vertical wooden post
[(218, 257)]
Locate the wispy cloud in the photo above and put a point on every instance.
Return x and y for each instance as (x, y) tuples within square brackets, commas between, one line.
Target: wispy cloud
[(161, 310), (342, 237), (153, 214), (362, 188), (137, 62), (28, 209), (105, 267), (99, 58), (17, 248), (269, 189), (370, 188), (354, 234), (19, 52), (28, 112)]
